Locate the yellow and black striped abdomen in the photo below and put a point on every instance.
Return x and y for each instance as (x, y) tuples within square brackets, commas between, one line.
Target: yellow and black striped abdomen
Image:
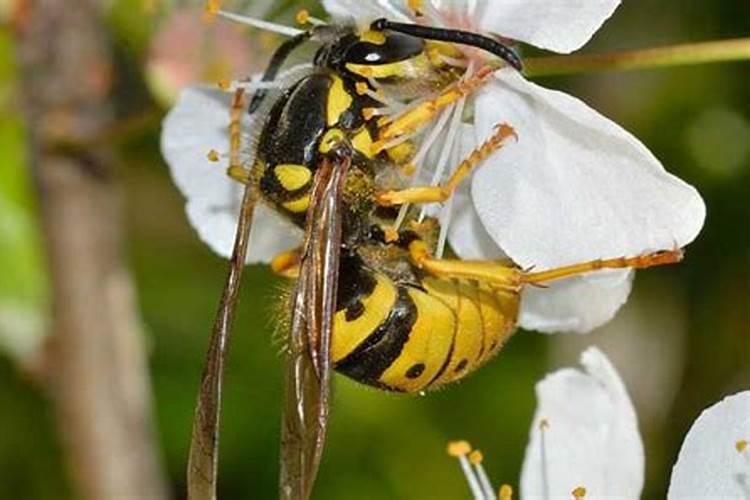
[(409, 338)]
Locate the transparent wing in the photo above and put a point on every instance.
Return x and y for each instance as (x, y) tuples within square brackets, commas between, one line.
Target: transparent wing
[(204, 444), (309, 366)]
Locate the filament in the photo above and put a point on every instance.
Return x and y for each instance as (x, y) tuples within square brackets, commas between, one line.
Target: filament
[(260, 24)]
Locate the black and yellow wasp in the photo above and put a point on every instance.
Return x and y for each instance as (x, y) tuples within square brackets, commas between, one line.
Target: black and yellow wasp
[(371, 300)]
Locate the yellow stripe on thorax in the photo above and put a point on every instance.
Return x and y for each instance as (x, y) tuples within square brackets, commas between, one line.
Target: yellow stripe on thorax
[(339, 101), (291, 176), (299, 205), (347, 335), (429, 343)]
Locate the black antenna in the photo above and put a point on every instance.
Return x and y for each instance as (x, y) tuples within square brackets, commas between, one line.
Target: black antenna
[(455, 36), (277, 60)]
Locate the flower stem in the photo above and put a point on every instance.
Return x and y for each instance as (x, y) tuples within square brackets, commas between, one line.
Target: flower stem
[(660, 57)]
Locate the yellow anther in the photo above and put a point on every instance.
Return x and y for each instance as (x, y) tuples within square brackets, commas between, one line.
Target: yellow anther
[(391, 235), (415, 6), (409, 169), (579, 493), (543, 424), (213, 155), (476, 457), (506, 492), (303, 16), (223, 85), (368, 113), (741, 445), (210, 10), (361, 88), (424, 226), (458, 448)]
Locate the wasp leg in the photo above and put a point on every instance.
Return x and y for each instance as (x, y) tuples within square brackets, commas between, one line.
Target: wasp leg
[(639, 262), (235, 170), (287, 263), (420, 115), (492, 273), (513, 279), (435, 194)]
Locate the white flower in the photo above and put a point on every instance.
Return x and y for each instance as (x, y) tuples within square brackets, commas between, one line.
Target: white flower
[(584, 443), (584, 434), (584, 437), (714, 460), (574, 187)]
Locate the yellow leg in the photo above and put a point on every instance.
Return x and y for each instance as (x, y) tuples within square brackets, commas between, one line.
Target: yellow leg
[(422, 114), (235, 170), (433, 194), (639, 262), (287, 263), (512, 278)]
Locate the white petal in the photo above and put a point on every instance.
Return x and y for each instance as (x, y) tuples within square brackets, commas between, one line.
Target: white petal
[(197, 124), (194, 126), (591, 438), (711, 464), (577, 304), (561, 25), (576, 186), (366, 12), (466, 234)]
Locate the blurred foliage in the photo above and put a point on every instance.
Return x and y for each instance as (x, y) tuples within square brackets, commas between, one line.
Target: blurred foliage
[(384, 446)]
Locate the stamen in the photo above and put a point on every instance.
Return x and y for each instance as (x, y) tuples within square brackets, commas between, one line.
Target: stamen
[(448, 148), (506, 492), (257, 84), (543, 426), (379, 146), (211, 9), (415, 6), (741, 445), (213, 156), (432, 15), (369, 113), (420, 156), (579, 493), (379, 96), (451, 61), (303, 17), (460, 449), (476, 457), (361, 88), (256, 23)]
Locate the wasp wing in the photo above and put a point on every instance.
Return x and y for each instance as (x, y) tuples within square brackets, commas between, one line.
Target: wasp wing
[(309, 365), (204, 444)]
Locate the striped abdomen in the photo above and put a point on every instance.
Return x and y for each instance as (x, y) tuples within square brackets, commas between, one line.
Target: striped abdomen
[(408, 337)]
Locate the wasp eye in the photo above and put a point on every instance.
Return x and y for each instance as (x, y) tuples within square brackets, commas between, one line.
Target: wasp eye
[(393, 47)]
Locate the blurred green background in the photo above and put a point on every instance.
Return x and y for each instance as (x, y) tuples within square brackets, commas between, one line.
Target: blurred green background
[(681, 343)]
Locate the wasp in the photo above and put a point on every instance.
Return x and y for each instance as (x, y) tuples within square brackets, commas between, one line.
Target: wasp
[(371, 299)]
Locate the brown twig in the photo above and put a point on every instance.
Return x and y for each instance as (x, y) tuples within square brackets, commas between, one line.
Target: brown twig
[(99, 377), (737, 49)]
